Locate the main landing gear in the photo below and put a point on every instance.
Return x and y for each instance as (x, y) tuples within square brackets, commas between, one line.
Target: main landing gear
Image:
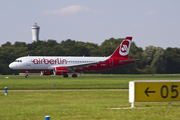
[(65, 75), (73, 75)]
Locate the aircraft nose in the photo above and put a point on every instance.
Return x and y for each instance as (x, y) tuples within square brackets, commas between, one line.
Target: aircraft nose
[(12, 66)]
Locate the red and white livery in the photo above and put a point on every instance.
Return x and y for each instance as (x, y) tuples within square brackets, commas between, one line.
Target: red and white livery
[(61, 65)]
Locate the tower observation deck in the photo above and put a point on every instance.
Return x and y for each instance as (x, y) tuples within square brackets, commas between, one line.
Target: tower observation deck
[(35, 32)]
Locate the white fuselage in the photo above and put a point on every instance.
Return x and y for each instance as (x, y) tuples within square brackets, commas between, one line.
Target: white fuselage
[(48, 63)]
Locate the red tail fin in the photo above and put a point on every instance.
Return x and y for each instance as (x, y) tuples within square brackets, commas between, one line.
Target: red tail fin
[(123, 49)]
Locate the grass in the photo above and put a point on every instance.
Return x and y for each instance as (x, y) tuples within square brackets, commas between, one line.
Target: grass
[(82, 82), (86, 81), (80, 105)]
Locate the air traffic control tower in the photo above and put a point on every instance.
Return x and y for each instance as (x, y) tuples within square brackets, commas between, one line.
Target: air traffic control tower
[(35, 32)]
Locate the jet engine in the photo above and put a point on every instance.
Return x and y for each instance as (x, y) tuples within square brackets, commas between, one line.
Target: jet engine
[(60, 71), (50, 72)]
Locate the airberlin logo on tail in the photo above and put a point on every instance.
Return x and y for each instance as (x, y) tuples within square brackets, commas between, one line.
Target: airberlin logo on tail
[(124, 47)]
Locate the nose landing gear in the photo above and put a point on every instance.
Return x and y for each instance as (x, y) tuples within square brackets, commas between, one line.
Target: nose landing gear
[(26, 76)]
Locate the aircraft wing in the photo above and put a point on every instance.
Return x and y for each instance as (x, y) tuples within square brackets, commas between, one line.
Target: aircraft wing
[(79, 66)]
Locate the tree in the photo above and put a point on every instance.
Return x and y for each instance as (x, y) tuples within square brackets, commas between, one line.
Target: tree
[(93, 49), (154, 59), (173, 60), (51, 43), (108, 46), (159, 63), (6, 44)]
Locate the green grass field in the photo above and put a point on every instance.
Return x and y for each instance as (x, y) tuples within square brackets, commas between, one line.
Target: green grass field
[(79, 104), (99, 81)]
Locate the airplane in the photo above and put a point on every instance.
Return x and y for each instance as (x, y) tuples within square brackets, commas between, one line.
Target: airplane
[(62, 65)]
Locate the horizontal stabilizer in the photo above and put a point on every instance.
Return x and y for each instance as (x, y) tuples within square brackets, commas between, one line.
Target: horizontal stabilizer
[(129, 60)]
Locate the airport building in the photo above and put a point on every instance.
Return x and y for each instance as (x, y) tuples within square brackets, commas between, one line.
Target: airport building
[(35, 32)]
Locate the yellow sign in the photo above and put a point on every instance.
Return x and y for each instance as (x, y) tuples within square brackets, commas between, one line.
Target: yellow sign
[(156, 91)]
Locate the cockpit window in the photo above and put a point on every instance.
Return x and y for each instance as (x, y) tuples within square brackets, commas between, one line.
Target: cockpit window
[(18, 61)]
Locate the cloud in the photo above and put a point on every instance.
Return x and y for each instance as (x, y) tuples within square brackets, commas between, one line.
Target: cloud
[(73, 9), (151, 13)]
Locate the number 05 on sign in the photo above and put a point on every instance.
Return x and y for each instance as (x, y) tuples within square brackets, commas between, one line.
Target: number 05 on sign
[(154, 91)]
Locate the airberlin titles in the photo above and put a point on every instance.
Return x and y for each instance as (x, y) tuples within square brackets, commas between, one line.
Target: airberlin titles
[(49, 61)]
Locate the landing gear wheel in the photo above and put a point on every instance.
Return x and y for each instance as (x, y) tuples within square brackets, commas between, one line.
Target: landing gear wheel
[(74, 75), (26, 76), (65, 76)]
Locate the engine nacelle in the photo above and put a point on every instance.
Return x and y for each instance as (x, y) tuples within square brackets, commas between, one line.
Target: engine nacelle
[(60, 71), (47, 72)]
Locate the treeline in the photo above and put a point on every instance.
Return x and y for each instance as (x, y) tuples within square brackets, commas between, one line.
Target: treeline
[(153, 60)]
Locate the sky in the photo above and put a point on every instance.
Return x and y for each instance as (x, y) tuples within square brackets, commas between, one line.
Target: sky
[(149, 22)]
